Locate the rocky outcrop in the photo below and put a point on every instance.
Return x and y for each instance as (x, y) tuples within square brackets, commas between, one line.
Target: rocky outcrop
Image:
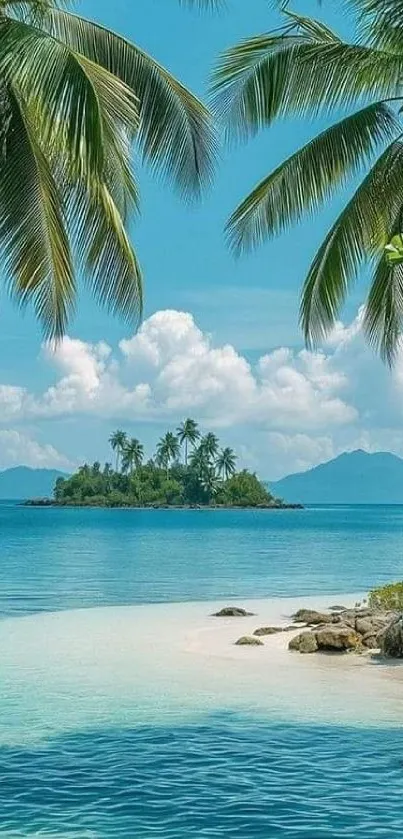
[(248, 641), (232, 612), (269, 630), (390, 639), (349, 630)]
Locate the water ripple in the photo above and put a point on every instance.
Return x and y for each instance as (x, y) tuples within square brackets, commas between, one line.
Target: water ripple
[(230, 778)]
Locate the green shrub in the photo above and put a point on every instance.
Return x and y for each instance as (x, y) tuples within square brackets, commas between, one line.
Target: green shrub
[(387, 597)]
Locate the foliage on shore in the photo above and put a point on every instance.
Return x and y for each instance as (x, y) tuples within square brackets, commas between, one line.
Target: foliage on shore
[(389, 597), (186, 470)]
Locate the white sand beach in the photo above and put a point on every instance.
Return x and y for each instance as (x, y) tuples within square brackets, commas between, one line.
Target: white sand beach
[(132, 665)]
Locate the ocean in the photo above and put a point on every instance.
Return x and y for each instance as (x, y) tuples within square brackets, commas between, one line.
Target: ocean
[(125, 709)]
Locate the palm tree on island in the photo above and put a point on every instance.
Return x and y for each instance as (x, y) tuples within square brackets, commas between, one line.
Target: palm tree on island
[(226, 463), (188, 434), (133, 456), (168, 450), (118, 442), (76, 100), (306, 69), (210, 445)]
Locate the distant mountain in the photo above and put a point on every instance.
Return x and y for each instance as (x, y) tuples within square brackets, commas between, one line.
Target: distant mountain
[(352, 478), (23, 482)]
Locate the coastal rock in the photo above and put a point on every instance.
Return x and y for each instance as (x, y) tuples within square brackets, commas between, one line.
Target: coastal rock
[(363, 626), (310, 616), (370, 641), (269, 630), (390, 639), (232, 612), (337, 608), (340, 639), (248, 641), (305, 643)]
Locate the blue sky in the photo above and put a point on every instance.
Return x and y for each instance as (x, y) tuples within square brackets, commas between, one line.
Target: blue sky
[(250, 305)]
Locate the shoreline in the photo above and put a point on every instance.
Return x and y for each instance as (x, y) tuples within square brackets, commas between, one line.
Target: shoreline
[(48, 502), (150, 662)]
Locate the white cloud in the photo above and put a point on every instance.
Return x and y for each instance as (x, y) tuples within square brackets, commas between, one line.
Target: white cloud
[(299, 407), (17, 448)]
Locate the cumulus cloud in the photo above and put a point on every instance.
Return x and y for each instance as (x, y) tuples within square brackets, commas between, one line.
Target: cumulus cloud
[(170, 367), (302, 407)]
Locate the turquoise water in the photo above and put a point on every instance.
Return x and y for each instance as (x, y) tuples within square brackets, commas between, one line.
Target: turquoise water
[(217, 773)]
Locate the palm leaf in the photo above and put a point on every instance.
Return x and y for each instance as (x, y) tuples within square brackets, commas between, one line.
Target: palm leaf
[(72, 96), (266, 77), (383, 319), (175, 132), (359, 234), (109, 261), (33, 233), (310, 176)]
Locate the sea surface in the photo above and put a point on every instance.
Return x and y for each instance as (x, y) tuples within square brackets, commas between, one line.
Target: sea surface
[(108, 728)]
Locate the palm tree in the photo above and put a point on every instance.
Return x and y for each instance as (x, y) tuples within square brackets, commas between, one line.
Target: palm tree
[(210, 482), (168, 450), (118, 442), (210, 445), (188, 432), (226, 463), (133, 455), (75, 99), (306, 69), (199, 460)]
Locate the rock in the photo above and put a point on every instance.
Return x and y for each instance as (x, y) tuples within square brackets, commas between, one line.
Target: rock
[(232, 612), (390, 639), (337, 608), (364, 626), (370, 641), (335, 638), (305, 642), (310, 616), (268, 630), (249, 641)]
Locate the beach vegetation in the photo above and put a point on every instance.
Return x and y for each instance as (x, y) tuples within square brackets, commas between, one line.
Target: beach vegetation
[(387, 598)]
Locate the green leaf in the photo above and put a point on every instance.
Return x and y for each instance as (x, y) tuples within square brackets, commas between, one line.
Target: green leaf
[(383, 319), (266, 77), (358, 236), (33, 232), (175, 133), (71, 95), (310, 176)]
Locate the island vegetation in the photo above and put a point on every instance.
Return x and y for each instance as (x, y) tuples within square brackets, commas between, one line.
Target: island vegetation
[(187, 469)]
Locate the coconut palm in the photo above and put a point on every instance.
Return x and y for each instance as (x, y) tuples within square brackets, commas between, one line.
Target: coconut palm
[(133, 456), (118, 441), (306, 70), (210, 445), (199, 460), (226, 463), (188, 433), (210, 482), (168, 450), (74, 99)]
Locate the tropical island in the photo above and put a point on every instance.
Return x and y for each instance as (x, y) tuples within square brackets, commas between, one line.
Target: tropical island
[(187, 470)]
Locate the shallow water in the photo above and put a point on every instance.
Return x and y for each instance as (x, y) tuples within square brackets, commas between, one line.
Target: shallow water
[(67, 558), (146, 720)]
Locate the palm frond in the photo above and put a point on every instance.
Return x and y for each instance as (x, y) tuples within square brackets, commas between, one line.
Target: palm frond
[(204, 4), (175, 132), (33, 235), (383, 318), (72, 96), (304, 181), (266, 77), (360, 234), (109, 261)]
